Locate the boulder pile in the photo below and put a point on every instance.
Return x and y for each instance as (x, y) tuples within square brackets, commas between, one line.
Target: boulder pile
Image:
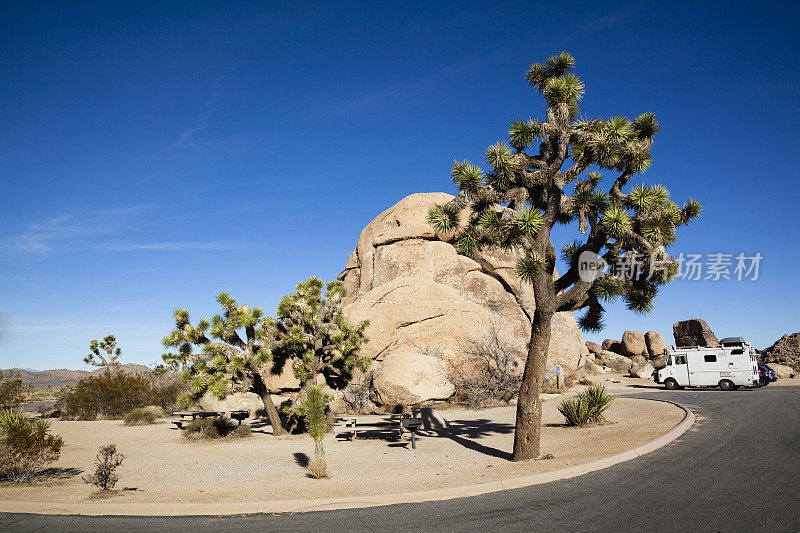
[(637, 354), (785, 351)]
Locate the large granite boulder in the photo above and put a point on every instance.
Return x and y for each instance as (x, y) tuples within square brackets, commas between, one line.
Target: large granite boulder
[(280, 379), (655, 343), (592, 346), (633, 343), (693, 332), (248, 401), (786, 350), (642, 371), (411, 378), (782, 371), (611, 345), (420, 295)]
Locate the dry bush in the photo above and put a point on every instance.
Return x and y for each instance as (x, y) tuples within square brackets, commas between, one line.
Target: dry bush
[(318, 468), (112, 395), (215, 428), (144, 416), (489, 368), (26, 445), (105, 466)]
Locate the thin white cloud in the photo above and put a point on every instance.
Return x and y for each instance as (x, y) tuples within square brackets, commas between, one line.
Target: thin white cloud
[(613, 19), (66, 231), (187, 135), (174, 246)]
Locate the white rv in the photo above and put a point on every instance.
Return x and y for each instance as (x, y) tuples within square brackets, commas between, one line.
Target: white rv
[(729, 366)]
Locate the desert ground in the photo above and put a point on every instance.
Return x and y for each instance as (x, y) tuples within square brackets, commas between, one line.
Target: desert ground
[(162, 466)]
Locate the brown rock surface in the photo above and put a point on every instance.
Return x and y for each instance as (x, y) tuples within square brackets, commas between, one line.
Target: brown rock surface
[(693, 332), (633, 343), (655, 343), (785, 350), (420, 295)]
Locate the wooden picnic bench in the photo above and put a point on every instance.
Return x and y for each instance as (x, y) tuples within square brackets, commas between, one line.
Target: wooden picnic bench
[(397, 424), (189, 416)]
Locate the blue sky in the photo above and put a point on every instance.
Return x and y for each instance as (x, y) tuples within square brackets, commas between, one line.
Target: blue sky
[(153, 154)]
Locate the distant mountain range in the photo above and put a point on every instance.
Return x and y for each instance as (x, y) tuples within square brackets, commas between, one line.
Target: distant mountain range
[(41, 379)]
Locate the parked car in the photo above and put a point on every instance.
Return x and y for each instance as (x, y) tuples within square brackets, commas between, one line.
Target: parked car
[(765, 374)]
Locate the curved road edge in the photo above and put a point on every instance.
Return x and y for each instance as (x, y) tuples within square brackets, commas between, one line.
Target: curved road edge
[(350, 502)]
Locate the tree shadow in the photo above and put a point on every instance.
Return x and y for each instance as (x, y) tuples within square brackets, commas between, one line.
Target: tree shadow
[(467, 432), (56, 473), (301, 459)]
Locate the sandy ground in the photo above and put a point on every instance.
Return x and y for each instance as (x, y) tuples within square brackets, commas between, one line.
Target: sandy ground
[(161, 465)]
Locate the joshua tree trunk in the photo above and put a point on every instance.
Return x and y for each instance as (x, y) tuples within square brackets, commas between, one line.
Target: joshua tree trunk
[(272, 413), (529, 406)]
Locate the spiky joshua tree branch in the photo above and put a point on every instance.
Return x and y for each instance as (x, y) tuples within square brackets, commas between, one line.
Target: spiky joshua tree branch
[(516, 204), (112, 353), (233, 347)]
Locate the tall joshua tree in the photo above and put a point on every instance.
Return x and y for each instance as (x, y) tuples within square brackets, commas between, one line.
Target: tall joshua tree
[(112, 353), (227, 361), (516, 204), (312, 331)]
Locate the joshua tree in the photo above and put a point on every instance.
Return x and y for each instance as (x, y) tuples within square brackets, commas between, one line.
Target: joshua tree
[(316, 422), (312, 331), (515, 205), (231, 362), (108, 345)]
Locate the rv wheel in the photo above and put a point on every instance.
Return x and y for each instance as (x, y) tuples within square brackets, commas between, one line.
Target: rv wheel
[(670, 384), (726, 384)]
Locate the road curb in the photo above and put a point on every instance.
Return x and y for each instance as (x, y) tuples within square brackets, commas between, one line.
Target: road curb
[(350, 502)]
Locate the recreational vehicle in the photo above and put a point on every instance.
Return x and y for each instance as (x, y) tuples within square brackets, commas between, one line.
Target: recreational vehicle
[(729, 366)]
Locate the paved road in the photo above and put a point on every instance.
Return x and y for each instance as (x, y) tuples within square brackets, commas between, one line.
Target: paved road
[(738, 468)]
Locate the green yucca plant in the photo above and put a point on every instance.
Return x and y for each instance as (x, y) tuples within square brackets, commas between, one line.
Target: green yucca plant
[(587, 407), (26, 445)]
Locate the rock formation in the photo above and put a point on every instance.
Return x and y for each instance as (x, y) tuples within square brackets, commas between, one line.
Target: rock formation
[(693, 332), (786, 350), (655, 343), (633, 343), (421, 296)]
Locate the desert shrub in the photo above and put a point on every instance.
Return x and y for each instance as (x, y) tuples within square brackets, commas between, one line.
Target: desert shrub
[(316, 423), (26, 445), (13, 392), (112, 395), (105, 466), (587, 407), (215, 428), (318, 468), (489, 368), (144, 416)]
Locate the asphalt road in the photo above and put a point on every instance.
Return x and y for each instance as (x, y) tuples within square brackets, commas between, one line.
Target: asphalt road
[(737, 469)]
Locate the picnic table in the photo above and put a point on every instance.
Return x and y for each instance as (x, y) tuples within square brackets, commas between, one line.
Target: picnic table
[(188, 416), (395, 423)]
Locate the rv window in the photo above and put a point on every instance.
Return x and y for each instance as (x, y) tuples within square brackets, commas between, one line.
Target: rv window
[(710, 358), (737, 351), (680, 359)]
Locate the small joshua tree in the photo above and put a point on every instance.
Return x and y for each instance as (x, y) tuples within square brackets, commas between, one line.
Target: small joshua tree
[(517, 203), (312, 331), (112, 353), (316, 424), (231, 362), (105, 466)]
